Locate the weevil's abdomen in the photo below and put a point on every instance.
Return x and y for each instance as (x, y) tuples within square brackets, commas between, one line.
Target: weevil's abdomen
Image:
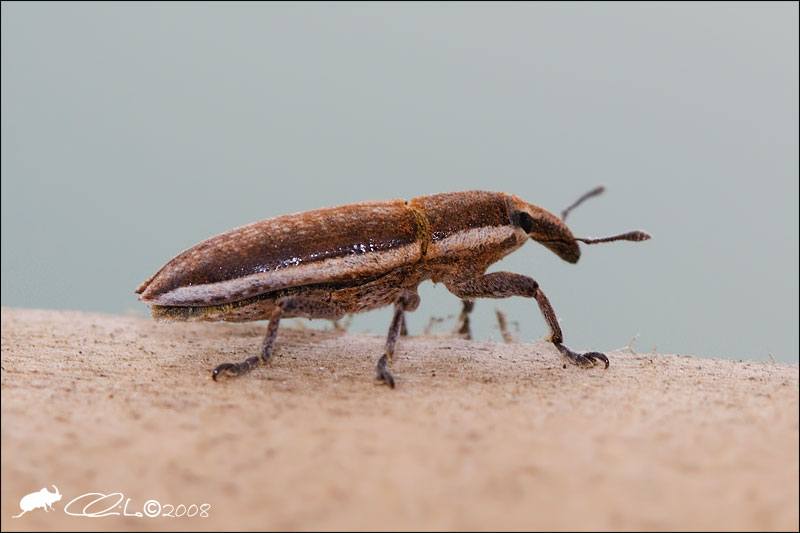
[(335, 245), (468, 231)]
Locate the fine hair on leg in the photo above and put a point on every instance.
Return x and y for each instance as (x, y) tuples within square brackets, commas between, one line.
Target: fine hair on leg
[(287, 307), (506, 284), (405, 300)]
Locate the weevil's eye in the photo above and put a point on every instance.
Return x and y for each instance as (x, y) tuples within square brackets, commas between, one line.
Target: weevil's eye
[(525, 221)]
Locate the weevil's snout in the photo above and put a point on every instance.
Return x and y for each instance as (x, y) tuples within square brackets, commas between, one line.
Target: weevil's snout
[(566, 250), (548, 230)]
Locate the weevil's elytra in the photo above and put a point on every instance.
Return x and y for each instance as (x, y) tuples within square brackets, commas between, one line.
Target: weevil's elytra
[(335, 261)]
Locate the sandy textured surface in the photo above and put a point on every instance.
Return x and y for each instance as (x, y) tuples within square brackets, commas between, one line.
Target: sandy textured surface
[(477, 435)]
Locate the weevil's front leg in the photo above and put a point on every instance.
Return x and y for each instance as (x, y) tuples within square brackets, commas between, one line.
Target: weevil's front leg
[(505, 284), (405, 301), (462, 328), (290, 306)]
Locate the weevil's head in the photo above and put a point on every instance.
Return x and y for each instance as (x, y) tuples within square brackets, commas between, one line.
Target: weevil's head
[(552, 232), (545, 228)]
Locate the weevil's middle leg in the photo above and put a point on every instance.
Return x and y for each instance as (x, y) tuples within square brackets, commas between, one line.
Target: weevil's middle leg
[(403, 326), (291, 306), (508, 336), (462, 328), (342, 325), (506, 284), (405, 301)]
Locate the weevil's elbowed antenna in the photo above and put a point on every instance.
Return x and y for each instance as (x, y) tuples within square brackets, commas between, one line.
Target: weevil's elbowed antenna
[(594, 192), (635, 236)]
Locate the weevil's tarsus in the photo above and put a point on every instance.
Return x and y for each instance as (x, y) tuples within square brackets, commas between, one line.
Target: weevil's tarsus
[(242, 367), (506, 284), (557, 337), (235, 369), (405, 301), (586, 360), (594, 192), (383, 374), (635, 236)]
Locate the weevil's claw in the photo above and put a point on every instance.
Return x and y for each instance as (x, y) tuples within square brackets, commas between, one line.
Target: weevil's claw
[(235, 369), (222, 368), (594, 356), (383, 374), (586, 360)]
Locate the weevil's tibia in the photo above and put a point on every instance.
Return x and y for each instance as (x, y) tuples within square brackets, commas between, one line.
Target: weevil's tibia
[(462, 328), (291, 306), (405, 301), (403, 327), (506, 284)]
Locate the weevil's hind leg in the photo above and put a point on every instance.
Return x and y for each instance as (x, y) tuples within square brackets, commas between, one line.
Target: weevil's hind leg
[(405, 301), (506, 284), (462, 328), (290, 306), (243, 367)]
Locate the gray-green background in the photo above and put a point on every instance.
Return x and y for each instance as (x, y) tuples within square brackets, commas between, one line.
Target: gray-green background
[(132, 131)]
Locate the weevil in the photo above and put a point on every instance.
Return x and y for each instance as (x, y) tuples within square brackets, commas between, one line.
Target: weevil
[(331, 262)]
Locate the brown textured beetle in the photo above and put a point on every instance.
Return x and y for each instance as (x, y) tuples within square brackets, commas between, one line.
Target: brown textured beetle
[(330, 262)]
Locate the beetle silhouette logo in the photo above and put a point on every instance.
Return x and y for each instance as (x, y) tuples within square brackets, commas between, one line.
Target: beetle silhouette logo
[(44, 498)]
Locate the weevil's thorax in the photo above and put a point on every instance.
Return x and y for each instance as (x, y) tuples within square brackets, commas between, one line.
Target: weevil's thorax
[(466, 233)]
